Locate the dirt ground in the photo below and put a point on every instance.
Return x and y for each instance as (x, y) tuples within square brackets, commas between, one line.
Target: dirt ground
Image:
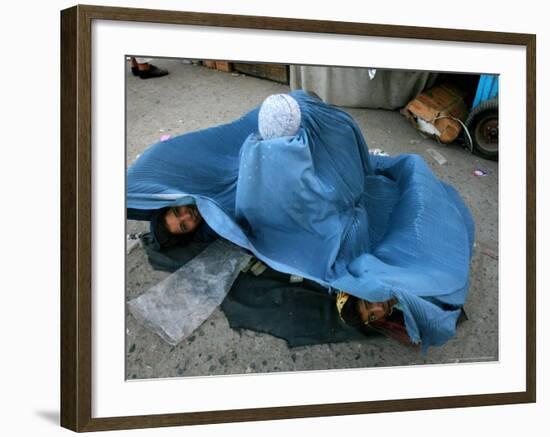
[(194, 97)]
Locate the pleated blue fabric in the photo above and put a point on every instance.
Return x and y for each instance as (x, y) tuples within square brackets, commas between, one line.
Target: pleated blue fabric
[(318, 205)]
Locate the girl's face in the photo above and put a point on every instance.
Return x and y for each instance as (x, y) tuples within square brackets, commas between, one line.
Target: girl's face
[(182, 219)]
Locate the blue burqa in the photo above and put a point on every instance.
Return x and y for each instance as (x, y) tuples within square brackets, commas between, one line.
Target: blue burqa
[(318, 205)]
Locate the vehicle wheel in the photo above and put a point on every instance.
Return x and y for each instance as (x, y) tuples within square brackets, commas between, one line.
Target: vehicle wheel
[(482, 123)]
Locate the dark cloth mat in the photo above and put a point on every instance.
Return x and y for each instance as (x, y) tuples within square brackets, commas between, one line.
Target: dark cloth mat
[(302, 313)]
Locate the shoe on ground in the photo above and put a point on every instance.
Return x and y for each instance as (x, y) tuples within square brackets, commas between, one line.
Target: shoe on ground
[(152, 72)]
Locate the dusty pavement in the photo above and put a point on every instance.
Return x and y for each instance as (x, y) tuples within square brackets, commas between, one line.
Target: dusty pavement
[(193, 97)]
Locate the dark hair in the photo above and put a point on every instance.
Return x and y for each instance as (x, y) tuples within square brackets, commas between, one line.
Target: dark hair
[(162, 236), (349, 312)]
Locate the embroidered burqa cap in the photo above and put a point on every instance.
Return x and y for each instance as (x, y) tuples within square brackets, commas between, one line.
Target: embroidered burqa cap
[(279, 116)]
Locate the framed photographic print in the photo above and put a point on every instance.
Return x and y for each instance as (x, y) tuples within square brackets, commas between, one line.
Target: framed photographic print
[(260, 214)]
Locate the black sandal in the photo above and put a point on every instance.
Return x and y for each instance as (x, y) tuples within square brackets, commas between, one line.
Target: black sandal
[(152, 72)]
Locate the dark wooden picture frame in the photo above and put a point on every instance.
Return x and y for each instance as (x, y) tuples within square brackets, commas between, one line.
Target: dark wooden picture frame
[(76, 221)]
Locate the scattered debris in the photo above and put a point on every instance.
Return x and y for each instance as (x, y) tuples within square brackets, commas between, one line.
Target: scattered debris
[(372, 73), (490, 253), (487, 249), (414, 142), (235, 74), (247, 266), (437, 156), (258, 268), (255, 266), (378, 152), (479, 172), (132, 241)]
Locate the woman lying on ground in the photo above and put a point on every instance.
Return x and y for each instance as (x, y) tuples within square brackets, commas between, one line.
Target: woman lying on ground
[(179, 225)]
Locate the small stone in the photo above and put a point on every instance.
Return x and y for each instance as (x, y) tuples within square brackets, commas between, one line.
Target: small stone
[(132, 348)]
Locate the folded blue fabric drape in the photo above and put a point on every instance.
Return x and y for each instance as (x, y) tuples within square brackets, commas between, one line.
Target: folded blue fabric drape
[(318, 205)]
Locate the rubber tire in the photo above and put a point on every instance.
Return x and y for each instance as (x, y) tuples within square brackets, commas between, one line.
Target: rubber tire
[(486, 108)]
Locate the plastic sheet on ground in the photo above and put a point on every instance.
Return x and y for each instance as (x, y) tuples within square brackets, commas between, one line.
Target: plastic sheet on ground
[(179, 304)]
